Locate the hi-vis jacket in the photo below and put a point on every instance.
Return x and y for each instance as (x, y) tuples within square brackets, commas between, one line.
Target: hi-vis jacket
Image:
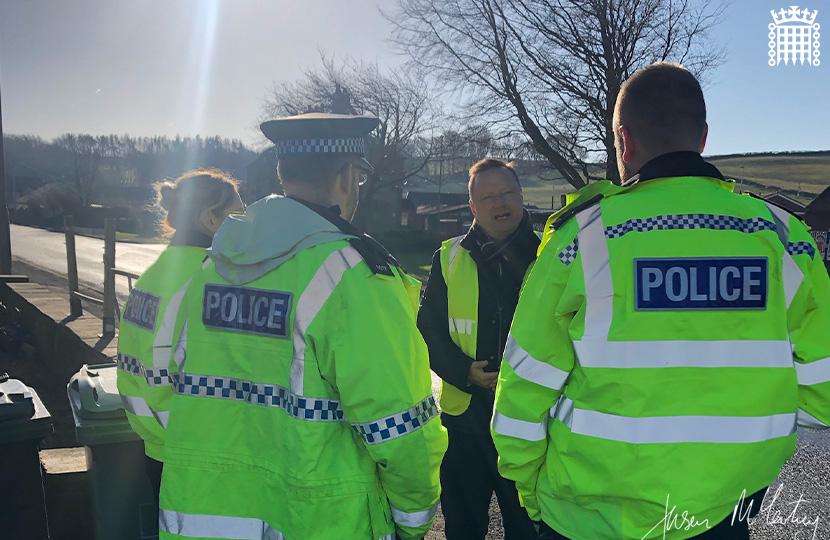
[(459, 270), (303, 408), (666, 344), (144, 339)]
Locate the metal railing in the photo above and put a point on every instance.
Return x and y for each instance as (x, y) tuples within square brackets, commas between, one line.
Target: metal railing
[(109, 302)]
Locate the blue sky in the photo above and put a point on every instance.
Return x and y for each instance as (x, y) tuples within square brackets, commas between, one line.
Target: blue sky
[(153, 67)]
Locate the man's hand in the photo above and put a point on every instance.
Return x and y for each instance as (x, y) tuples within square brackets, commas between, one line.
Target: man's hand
[(479, 377)]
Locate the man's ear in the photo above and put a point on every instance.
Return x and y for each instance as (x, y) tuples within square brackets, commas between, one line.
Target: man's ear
[(628, 147), (472, 207), (705, 135), (344, 181), (207, 220)]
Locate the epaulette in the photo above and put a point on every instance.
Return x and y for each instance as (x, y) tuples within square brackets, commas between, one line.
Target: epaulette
[(577, 208), (380, 261)]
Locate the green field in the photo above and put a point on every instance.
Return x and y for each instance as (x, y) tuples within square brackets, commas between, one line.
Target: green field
[(800, 176)]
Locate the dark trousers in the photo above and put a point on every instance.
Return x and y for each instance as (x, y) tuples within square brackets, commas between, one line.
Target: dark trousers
[(468, 479), (722, 531), (154, 474)]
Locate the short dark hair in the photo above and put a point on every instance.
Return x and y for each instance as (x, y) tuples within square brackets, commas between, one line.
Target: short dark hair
[(487, 164), (319, 170), (663, 105)]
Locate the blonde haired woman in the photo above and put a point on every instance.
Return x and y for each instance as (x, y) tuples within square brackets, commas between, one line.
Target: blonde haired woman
[(196, 203)]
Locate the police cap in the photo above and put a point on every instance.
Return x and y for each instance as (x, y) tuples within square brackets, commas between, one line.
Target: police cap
[(320, 133)]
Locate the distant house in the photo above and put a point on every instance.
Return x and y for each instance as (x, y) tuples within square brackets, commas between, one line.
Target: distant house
[(429, 194), (450, 221), (790, 204), (817, 216)]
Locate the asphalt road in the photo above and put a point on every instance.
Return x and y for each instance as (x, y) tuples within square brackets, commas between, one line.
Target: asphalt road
[(47, 250)]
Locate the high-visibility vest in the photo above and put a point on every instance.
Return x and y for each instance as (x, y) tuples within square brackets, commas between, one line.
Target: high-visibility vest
[(303, 408), (147, 322), (667, 342), (461, 277)]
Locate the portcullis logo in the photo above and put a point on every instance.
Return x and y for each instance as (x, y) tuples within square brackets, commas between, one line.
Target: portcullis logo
[(793, 37)]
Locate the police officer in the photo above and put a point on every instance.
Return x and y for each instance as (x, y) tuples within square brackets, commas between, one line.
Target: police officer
[(468, 304), (196, 203), (303, 408), (668, 341)]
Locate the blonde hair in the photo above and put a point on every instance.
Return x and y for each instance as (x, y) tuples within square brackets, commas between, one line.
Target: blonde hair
[(186, 197)]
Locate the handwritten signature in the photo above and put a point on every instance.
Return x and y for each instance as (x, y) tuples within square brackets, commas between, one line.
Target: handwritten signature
[(670, 521), (673, 519), (774, 515)]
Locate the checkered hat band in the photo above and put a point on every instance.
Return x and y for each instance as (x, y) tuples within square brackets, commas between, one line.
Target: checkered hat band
[(354, 145), (398, 425), (153, 376), (690, 221), (265, 395)]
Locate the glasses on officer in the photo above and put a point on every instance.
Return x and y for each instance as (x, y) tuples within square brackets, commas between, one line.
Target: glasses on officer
[(364, 171)]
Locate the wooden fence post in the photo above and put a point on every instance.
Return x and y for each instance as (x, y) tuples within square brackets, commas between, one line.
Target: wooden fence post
[(109, 276), (75, 308)]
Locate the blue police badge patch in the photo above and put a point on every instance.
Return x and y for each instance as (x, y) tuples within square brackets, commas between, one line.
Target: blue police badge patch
[(142, 309), (692, 283), (245, 309)]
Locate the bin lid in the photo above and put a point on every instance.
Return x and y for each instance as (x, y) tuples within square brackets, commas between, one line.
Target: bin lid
[(22, 414), (96, 406)]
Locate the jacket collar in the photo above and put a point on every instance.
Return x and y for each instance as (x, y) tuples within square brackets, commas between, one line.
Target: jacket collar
[(675, 164), (184, 237)]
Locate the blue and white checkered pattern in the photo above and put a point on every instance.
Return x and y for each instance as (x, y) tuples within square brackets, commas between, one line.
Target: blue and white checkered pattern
[(800, 248), (352, 145), (153, 376), (568, 255), (689, 221), (267, 395), (399, 424)]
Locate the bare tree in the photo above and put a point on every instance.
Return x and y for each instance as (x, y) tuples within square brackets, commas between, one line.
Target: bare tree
[(399, 99), (552, 69), (87, 152)]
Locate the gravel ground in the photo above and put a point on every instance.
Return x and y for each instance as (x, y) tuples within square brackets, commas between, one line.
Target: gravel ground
[(800, 511)]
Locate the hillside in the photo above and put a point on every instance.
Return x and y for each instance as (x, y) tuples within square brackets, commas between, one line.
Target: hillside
[(801, 176)]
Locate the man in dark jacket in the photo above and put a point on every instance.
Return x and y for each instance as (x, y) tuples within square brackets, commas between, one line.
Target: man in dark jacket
[(465, 315)]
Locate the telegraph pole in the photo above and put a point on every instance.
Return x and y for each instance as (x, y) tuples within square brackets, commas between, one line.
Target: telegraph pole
[(5, 234)]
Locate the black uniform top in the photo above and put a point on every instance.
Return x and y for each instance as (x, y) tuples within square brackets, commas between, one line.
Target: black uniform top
[(501, 269)]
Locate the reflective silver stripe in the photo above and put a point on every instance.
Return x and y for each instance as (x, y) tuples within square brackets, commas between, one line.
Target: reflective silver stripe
[(529, 431), (180, 351), (813, 372), (139, 407), (400, 424), (596, 267), (673, 354), (530, 369), (413, 519), (461, 326), (676, 429), (455, 248), (311, 302), (807, 420), (221, 527), (224, 527), (792, 274), (163, 342)]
